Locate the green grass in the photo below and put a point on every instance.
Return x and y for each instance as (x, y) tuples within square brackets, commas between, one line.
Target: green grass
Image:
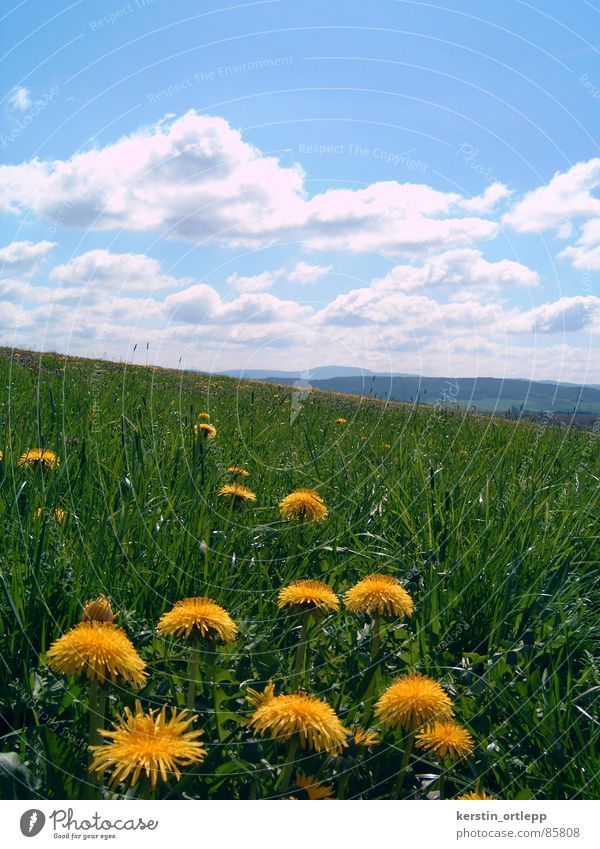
[(492, 526)]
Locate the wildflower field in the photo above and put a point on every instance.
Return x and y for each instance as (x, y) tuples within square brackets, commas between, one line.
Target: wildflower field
[(156, 642)]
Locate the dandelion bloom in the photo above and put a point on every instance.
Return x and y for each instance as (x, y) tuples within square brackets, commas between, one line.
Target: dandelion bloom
[(98, 610), (476, 796), (101, 650), (379, 594), (304, 504), (312, 788), (202, 616), (206, 431), (204, 416), (308, 594), (239, 471), (42, 457), (364, 737), (148, 743), (238, 494), (412, 701), (313, 720), (59, 514), (256, 698), (446, 738), (340, 421)]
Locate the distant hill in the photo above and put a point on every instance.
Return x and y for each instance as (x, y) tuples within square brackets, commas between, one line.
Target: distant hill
[(484, 393), (319, 373)]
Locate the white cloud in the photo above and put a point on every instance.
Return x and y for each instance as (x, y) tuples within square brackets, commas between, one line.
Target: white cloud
[(255, 308), (303, 272), (390, 217), (458, 268), (256, 282), (20, 99), (195, 178), (113, 272), (194, 305), (485, 203), (201, 304), (567, 315), (568, 195), (411, 315), (585, 254), (23, 257)]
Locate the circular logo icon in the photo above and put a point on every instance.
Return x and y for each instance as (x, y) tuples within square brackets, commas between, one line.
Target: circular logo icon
[(32, 822)]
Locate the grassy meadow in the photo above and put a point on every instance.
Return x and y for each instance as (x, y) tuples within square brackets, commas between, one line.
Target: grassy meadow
[(491, 526)]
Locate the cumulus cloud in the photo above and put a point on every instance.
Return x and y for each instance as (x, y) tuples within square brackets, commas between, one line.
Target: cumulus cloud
[(202, 304), (20, 98), (567, 315), (113, 272), (256, 282), (304, 272), (195, 178), (23, 257), (458, 268), (78, 303), (410, 314), (485, 203), (390, 217), (567, 196), (585, 254)]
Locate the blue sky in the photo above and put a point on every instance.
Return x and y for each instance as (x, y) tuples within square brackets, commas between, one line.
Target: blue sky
[(402, 186)]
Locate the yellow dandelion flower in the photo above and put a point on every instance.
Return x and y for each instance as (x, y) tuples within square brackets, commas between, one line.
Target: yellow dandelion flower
[(204, 416), (412, 701), (446, 738), (312, 787), (256, 698), (198, 616), (98, 610), (385, 445), (148, 743), (365, 737), (42, 457), (239, 471), (341, 421), (379, 594), (101, 650), (304, 504), (476, 796), (206, 431), (308, 594), (314, 721), (238, 494)]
